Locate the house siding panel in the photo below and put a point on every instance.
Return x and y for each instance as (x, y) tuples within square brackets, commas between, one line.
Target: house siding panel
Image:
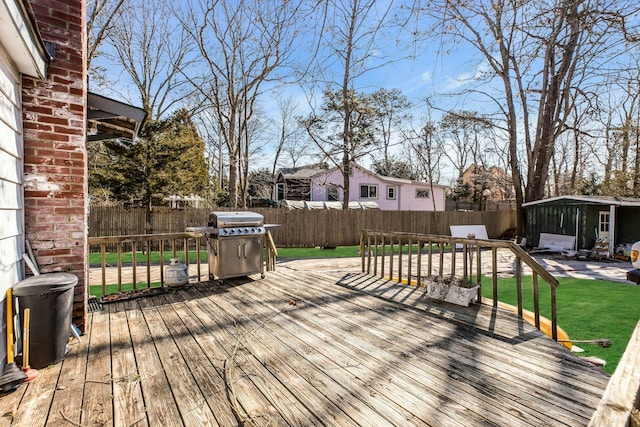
[(405, 193), (11, 201)]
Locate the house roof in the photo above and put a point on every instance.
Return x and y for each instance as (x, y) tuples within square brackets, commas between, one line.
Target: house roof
[(303, 172), (111, 119), (20, 35), (387, 179), (596, 200)]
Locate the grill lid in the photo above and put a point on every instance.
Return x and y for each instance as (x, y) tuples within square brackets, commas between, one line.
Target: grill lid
[(235, 219)]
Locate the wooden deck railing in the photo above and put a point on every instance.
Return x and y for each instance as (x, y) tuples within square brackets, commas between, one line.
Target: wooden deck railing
[(379, 257), (177, 244), (621, 400)]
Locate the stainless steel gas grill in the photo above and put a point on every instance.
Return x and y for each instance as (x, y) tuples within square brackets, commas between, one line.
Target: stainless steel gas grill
[(235, 241)]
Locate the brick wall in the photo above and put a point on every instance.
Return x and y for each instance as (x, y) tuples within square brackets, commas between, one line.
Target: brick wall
[(55, 156)]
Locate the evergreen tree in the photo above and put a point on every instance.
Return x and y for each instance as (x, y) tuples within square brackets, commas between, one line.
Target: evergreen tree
[(167, 159)]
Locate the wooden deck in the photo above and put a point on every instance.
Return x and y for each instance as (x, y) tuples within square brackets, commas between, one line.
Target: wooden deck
[(299, 349)]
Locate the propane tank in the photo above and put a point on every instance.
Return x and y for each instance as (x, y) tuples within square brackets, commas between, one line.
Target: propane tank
[(176, 273)]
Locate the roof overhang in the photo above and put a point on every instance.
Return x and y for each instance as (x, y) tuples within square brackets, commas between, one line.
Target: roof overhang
[(589, 200), (111, 119), (20, 37)]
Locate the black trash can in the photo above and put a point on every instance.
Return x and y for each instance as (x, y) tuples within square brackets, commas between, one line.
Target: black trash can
[(50, 298)]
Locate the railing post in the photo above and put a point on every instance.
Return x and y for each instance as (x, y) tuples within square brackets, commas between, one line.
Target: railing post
[(103, 264), (441, 266), (391, 257), (134, 264), (479, 273), (453, 259), (375, 255), (465, 255), (369, 254), (382, 257), (399, 259), (519, 283), (419, 262), (554, 317), (494, 267), (148, 248), (536, 299), (362, 235), (409, 255), (430, 259), (162, 262)]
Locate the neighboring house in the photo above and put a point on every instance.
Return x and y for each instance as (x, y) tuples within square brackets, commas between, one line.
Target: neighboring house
[(295, 183), (389, 193), (586, 217), (45, 115)]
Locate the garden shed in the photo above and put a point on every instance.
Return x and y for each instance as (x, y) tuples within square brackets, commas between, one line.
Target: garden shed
[(586, 217)]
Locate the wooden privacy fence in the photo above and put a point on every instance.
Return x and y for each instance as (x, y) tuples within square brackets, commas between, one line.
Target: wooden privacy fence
[(302, 228)]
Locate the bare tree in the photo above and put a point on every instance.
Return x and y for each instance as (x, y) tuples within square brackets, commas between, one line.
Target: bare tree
[(288, 134), (242, 46), (150, 47), (534, 58), (326, 130), (350, 37), (101, 23), (392, 110), (426, 151)]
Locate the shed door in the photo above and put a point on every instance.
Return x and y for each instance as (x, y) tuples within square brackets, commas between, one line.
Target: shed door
[(11, 198), (603, 222)]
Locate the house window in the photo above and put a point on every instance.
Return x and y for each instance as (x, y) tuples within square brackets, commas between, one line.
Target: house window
[(422, 193), (332, 193), (368, 191), (391, 192)]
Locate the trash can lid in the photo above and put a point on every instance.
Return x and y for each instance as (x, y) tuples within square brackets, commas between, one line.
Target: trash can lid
[(45, 283)]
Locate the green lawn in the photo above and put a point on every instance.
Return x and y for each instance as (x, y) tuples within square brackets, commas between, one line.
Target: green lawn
[(587, 309), (95, 259)]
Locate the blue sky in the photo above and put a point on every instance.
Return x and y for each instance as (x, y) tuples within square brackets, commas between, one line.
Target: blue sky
[(434, 69)]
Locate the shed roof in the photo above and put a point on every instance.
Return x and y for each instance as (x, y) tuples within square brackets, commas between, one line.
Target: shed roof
[(594, 200)]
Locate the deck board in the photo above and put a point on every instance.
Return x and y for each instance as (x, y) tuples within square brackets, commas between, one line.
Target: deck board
[(153, 380), (394, 345), (305, 348), (97, 402), (70, 386)]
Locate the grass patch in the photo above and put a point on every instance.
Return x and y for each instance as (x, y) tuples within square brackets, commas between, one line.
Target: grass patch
[(587, 309), (111, 258), (95, 259)]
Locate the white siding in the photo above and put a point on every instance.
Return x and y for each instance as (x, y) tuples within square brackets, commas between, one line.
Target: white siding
[(11, 176)]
